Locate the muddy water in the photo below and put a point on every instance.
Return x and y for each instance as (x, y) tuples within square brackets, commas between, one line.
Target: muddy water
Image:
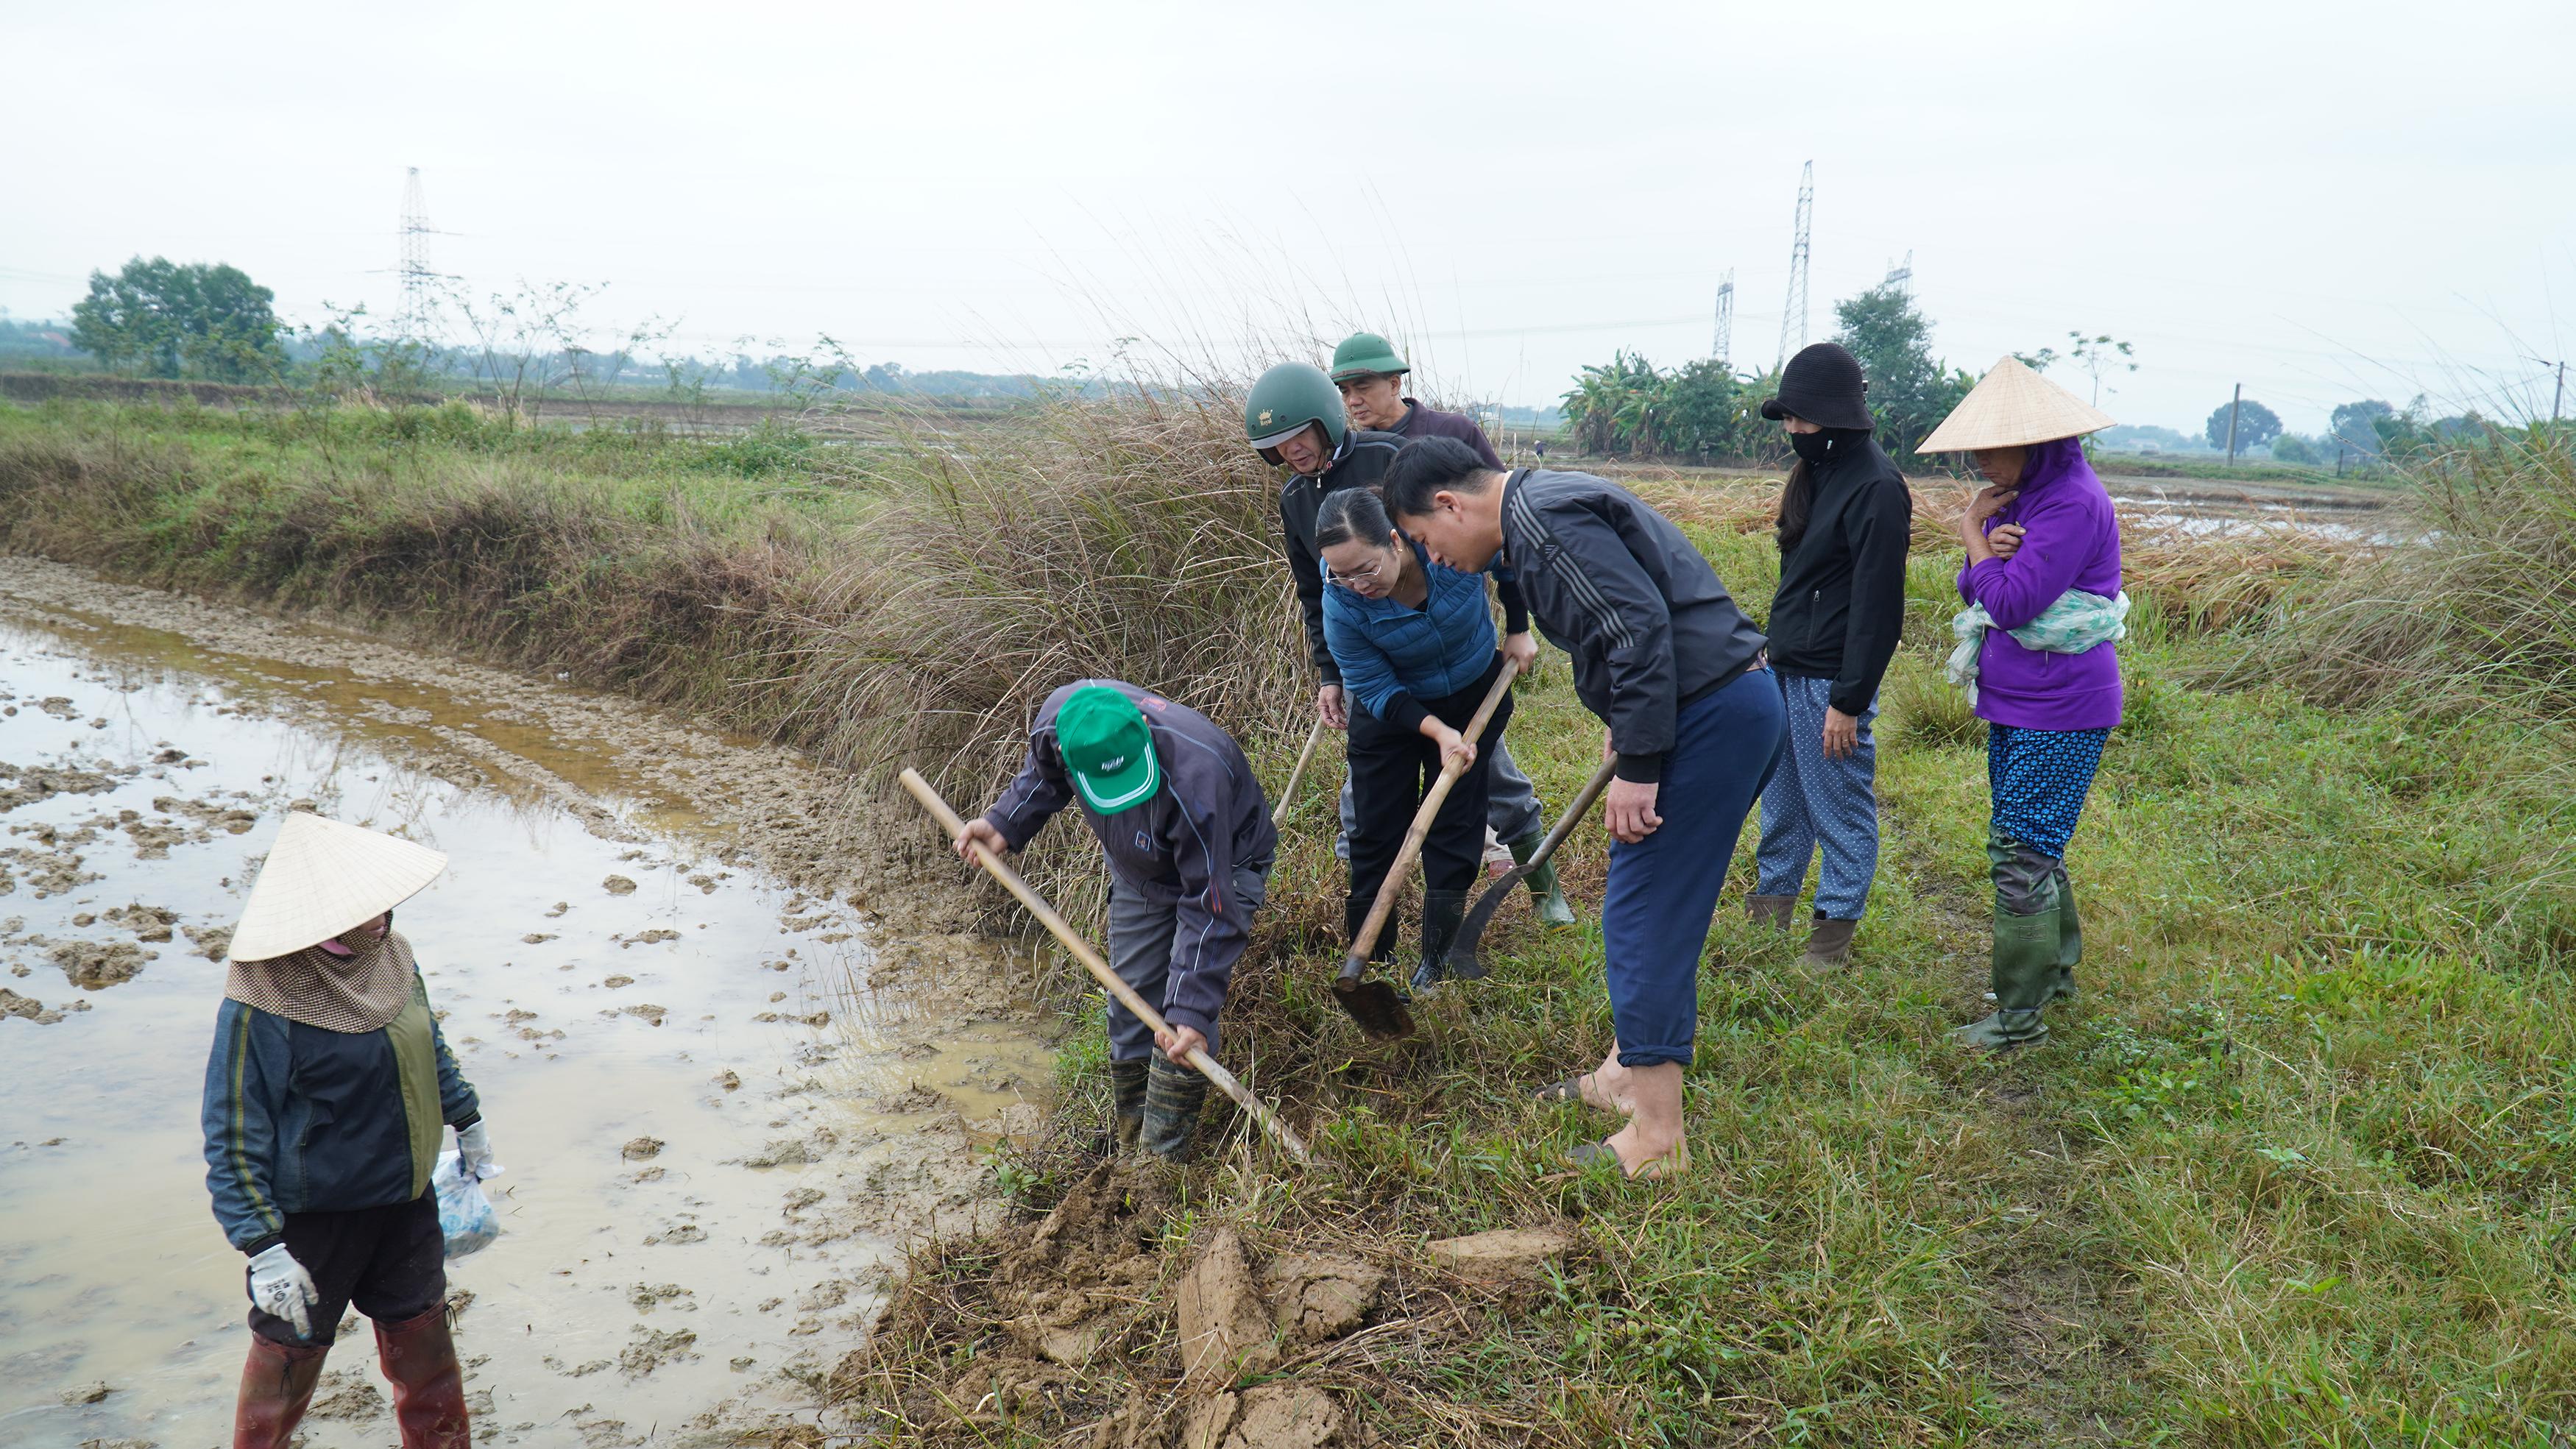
[(723, 1102)]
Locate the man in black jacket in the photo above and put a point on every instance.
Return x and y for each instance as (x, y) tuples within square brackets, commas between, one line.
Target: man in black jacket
[(1846, 520), (1674, 669)]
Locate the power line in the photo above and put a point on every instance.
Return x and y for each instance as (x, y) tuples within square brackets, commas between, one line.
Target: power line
[(1793, 315)]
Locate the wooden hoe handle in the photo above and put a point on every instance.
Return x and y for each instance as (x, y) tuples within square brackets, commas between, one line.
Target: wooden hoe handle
[(1207, 1066)]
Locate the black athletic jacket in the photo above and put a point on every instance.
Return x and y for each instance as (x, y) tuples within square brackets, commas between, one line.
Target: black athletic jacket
[(1842, 587), (1179, 848), (1617, 586), (1360, 462)]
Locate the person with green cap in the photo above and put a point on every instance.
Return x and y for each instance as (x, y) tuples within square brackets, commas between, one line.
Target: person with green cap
[(1296, 417), (1186, 834), (1371, 376)]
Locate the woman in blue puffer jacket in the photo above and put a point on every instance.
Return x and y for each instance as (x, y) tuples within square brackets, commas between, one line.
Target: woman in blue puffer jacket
[(1416, 646)]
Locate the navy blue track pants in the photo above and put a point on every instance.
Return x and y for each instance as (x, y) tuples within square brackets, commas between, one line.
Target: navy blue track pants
[(1663, 889)]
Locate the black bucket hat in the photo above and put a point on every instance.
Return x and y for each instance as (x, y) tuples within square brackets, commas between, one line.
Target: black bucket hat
[(1822, 384)]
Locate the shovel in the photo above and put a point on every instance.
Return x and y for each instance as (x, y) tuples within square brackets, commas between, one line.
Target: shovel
[(1374, 1004), (1462, 952), (1206, 1065)]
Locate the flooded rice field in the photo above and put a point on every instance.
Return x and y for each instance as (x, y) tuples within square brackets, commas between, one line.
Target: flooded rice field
[(725, 1090)]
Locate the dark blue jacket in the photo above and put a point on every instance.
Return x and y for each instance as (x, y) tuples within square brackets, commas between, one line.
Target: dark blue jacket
[(1180, 848), (1393, 655), (301, 1118)]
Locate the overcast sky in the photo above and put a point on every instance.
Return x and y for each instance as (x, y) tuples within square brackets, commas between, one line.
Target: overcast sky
[(2322, 200)]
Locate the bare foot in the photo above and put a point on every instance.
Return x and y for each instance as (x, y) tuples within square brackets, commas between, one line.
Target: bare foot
[(1642, 1157)]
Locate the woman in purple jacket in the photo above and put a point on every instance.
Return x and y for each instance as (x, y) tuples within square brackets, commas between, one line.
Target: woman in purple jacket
[(2042, 582)]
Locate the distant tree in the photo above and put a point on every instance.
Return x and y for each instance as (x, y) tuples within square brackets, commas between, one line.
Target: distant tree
[(2255, 425), (1909, 391), (2353, 429), (168, 320), (2292, 448), (2096, 354)]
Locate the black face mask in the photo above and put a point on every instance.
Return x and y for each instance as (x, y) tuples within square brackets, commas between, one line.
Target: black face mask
[(1813, 447)]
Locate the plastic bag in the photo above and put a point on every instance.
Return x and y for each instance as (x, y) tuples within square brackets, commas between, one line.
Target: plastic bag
[(465, 1216)]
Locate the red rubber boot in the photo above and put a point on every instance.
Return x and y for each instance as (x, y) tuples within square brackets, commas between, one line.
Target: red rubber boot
[(419, 1360), (276, 1384)]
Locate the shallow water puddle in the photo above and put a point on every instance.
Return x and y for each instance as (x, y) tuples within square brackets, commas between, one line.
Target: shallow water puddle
[(717, 1131)]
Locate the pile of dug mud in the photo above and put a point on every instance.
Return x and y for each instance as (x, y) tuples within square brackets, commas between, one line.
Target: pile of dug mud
[(1118, 1313)]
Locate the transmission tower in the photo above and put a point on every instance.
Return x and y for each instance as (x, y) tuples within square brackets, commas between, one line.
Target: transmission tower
[(1793, 317), (418, 318), (1725, 317), (1900, 275)]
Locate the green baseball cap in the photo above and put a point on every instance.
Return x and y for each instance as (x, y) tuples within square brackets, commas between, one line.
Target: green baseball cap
[(1107, 747), (1365, 354)]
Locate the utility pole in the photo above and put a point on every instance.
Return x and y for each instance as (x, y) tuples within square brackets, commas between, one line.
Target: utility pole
[(1725, 318), (1900, 275), (1793, 317), (2232, 409)]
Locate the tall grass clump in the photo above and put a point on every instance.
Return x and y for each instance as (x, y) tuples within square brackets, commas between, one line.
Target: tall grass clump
[(2477, 608)]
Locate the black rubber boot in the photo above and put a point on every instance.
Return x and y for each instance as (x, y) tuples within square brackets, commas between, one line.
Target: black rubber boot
[(1173, 1096), (1127, 1095), (1355, 915), (1441, 912)]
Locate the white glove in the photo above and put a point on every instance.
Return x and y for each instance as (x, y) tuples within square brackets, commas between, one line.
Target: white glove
[(281, 1288), (474, 1152)]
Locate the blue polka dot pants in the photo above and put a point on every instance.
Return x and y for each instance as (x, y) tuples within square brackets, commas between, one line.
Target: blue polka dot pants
[(2039, 779), (1814, 802)]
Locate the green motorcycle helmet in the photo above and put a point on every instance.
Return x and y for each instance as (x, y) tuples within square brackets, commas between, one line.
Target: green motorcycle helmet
[(1365, 354), (1287, 399)]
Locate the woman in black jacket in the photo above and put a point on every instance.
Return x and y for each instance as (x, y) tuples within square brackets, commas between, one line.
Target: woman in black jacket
[(1845, 522)]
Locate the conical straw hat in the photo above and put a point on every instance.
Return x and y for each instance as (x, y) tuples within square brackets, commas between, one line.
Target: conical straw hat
[(2013, 406), (322, 877)]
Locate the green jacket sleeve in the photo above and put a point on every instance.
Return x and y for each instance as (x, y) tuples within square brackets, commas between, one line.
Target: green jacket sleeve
[(457, 1104), (246, 1078)]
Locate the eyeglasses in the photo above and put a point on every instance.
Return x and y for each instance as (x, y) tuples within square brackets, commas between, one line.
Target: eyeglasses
[(1373, 573)]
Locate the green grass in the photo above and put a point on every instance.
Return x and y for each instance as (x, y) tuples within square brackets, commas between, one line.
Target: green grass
[(2298, 1168)]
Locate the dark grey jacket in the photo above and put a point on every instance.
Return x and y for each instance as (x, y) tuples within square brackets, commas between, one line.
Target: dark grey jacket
[(1617, 586), (1180, 848), (1361, 462)]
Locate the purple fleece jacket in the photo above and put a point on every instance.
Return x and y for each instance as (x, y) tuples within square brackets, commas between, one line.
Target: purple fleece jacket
[(2071, 540), (1423, 422)]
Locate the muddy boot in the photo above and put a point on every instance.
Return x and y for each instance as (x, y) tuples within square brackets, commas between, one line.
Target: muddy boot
[(2026, 948), (1441, 912), (276, 1384), (1828, 943), (1554, 911), (1173, 1095), (2070, 939), (1127, 1095), (1772, 911), (419, 1360)]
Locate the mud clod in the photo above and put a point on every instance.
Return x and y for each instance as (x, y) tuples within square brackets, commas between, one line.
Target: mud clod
[(1225, 1326), (1504, 1253), (96, 965), (618, 885), (642, 1148)]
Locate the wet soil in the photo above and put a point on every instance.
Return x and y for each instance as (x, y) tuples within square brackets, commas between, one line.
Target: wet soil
[(728, 1095)]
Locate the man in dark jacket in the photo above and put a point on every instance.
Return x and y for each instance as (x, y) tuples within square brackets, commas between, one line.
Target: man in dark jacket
[(1846, 520), (1371, 377), (1293, 417), (1674, 669), (1187, 837)]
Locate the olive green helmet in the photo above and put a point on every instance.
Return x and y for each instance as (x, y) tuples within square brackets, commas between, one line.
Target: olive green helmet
[(1287, 399), (1365, 354)]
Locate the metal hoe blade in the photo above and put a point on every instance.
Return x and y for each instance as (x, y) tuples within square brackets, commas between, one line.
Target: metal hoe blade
[(1372, 1004), (1462, 960)]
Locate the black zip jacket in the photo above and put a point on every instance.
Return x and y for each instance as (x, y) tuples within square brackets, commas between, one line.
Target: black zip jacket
[(1179, 848), (1841, 602), (1360, 462), (1618, 587)]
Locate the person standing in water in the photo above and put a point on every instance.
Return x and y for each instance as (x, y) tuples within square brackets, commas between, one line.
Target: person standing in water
[(2038, 654), (327, 1093), (1845, 523), (1675, 671)]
